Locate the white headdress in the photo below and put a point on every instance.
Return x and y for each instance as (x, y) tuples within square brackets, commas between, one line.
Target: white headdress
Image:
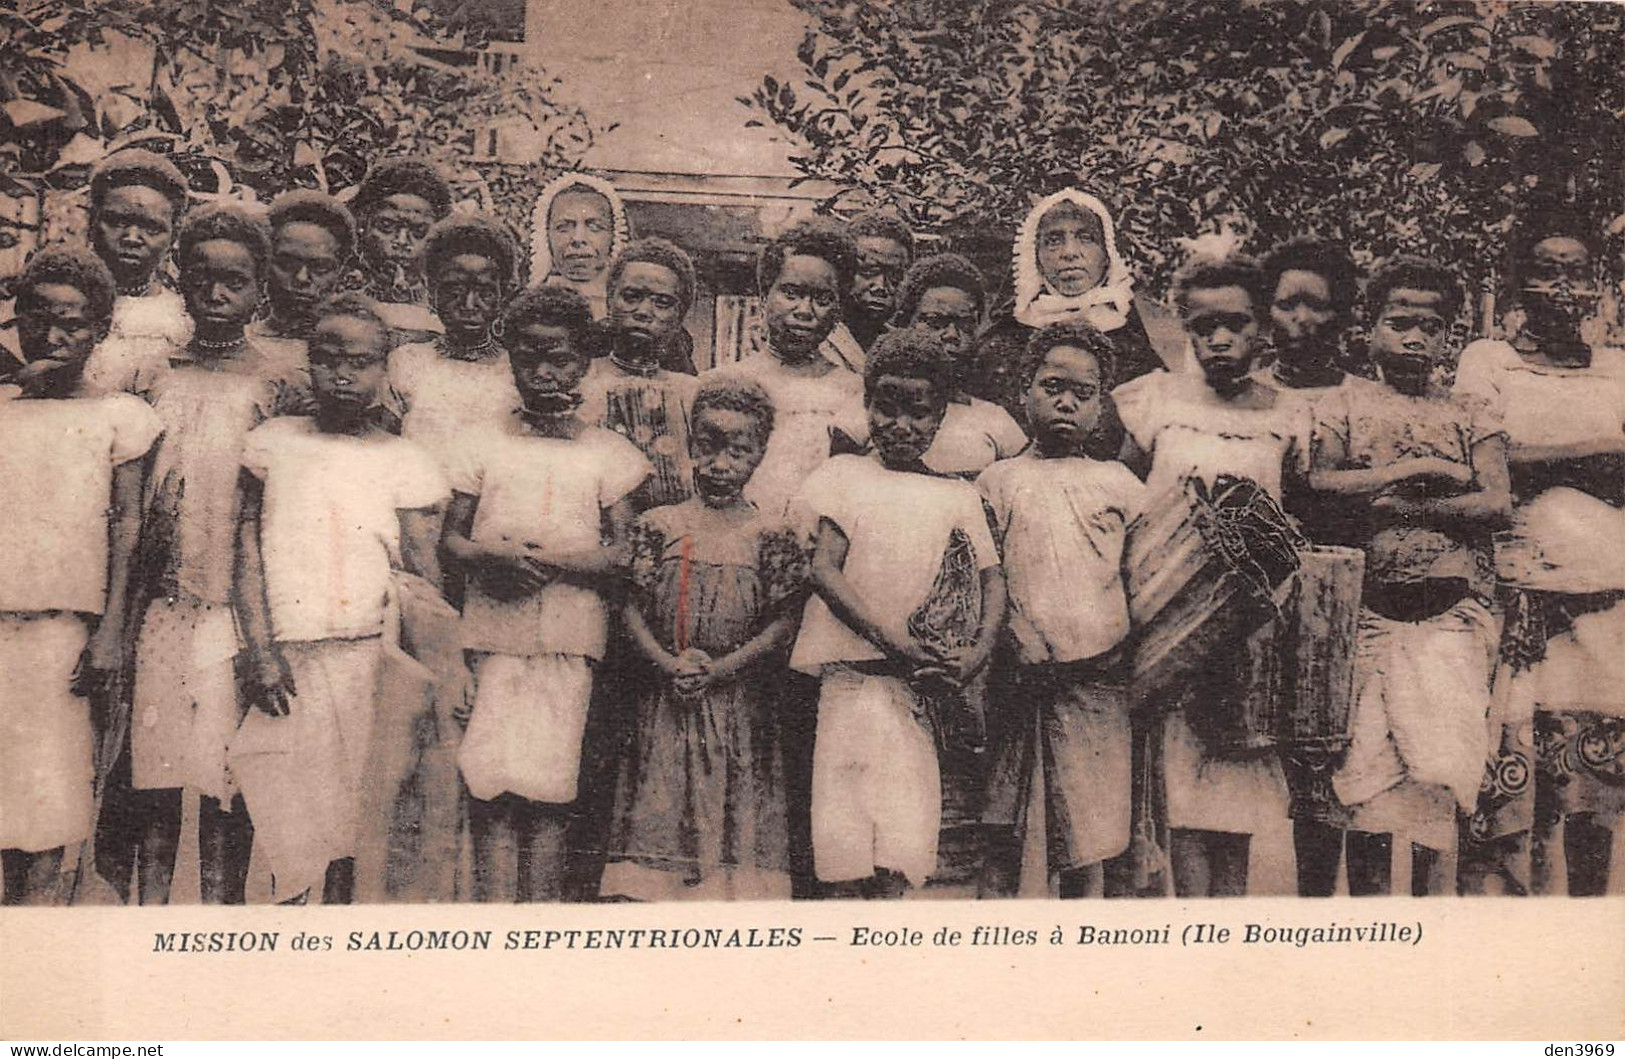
[(1105, 307), (541, 256)]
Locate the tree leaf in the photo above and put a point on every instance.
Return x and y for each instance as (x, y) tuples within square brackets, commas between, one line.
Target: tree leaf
[(25, 113), (1333, 137), (1345, 49), (1473, 153), (1512, 125)]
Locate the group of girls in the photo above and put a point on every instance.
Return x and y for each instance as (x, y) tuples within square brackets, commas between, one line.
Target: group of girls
[(345, 566)]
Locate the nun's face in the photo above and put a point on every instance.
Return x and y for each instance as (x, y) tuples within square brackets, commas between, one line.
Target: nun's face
[(580, 233), (1071, 250)]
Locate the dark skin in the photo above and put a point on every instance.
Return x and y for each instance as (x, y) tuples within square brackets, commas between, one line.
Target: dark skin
[(1305, 324), (392, 237), (1063, 407), (881, 264), (1409, 344), (132, 228), (467, 290), (220, 281), (801, 308), (904, 414), (347, 367), (951, 316), (727, 446), (548, 364), (307, 263), (57, 329), (645, 311), (1223, 325)]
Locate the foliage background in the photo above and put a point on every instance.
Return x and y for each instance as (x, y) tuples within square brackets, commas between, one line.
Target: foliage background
[(1397, 126), (266, 94)]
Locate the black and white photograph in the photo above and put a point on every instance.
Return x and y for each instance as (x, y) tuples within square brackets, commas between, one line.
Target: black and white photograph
[(510, 451)]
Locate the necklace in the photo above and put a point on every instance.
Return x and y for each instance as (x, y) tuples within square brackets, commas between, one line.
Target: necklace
[(632, 367), (485, 349), (228, 346), (140, 290)]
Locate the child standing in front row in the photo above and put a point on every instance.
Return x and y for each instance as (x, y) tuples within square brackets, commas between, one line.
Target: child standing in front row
[(1063, 775), (701, 813), (70, 487), (909, 600), (540, 516), (1432, 468), (330, 504)]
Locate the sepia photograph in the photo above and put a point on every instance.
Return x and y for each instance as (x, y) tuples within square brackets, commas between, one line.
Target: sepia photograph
[(509, 452)]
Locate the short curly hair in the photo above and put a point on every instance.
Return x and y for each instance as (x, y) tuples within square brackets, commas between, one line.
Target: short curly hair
[(472, 234), (1074, 336), (938, 270), (910, 353), (1535, 227), (71, 266), (735, 392), (654, 250), (229, 221), (356, 305), (1328, 260), (403, 176), (882, 224), (820, 237), (309, 206), (552, 307), (139, 167), (1204, 274), (1414, 273)]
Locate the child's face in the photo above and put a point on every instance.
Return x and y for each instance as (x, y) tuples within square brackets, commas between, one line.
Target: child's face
[(646, 306), (547, 365), (132, 231), (305, 268), (1560, 290), (802, 307), (393, 232), (1302, 317), (54, 323), (347, 363), (1063, 399), (580, 232), (1071, 257), (881, 264), (467, 294), (1224, 333), (904, 415), (222, 287), (1411, 336), (949, 314), (727, 448)]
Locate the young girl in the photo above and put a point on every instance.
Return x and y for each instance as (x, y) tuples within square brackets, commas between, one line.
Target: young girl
[(223, 384), (1432, 468), (397, 203), (909, 600), (70, 484), (1220, 422), (330, 505), (701, 813), (803, 276), (944, 295), (313, 238), (461, 379), (885, 253), (137, 199), (538, 525), (1063, 774), (578, 227), (651, 286), (1563, 578)]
